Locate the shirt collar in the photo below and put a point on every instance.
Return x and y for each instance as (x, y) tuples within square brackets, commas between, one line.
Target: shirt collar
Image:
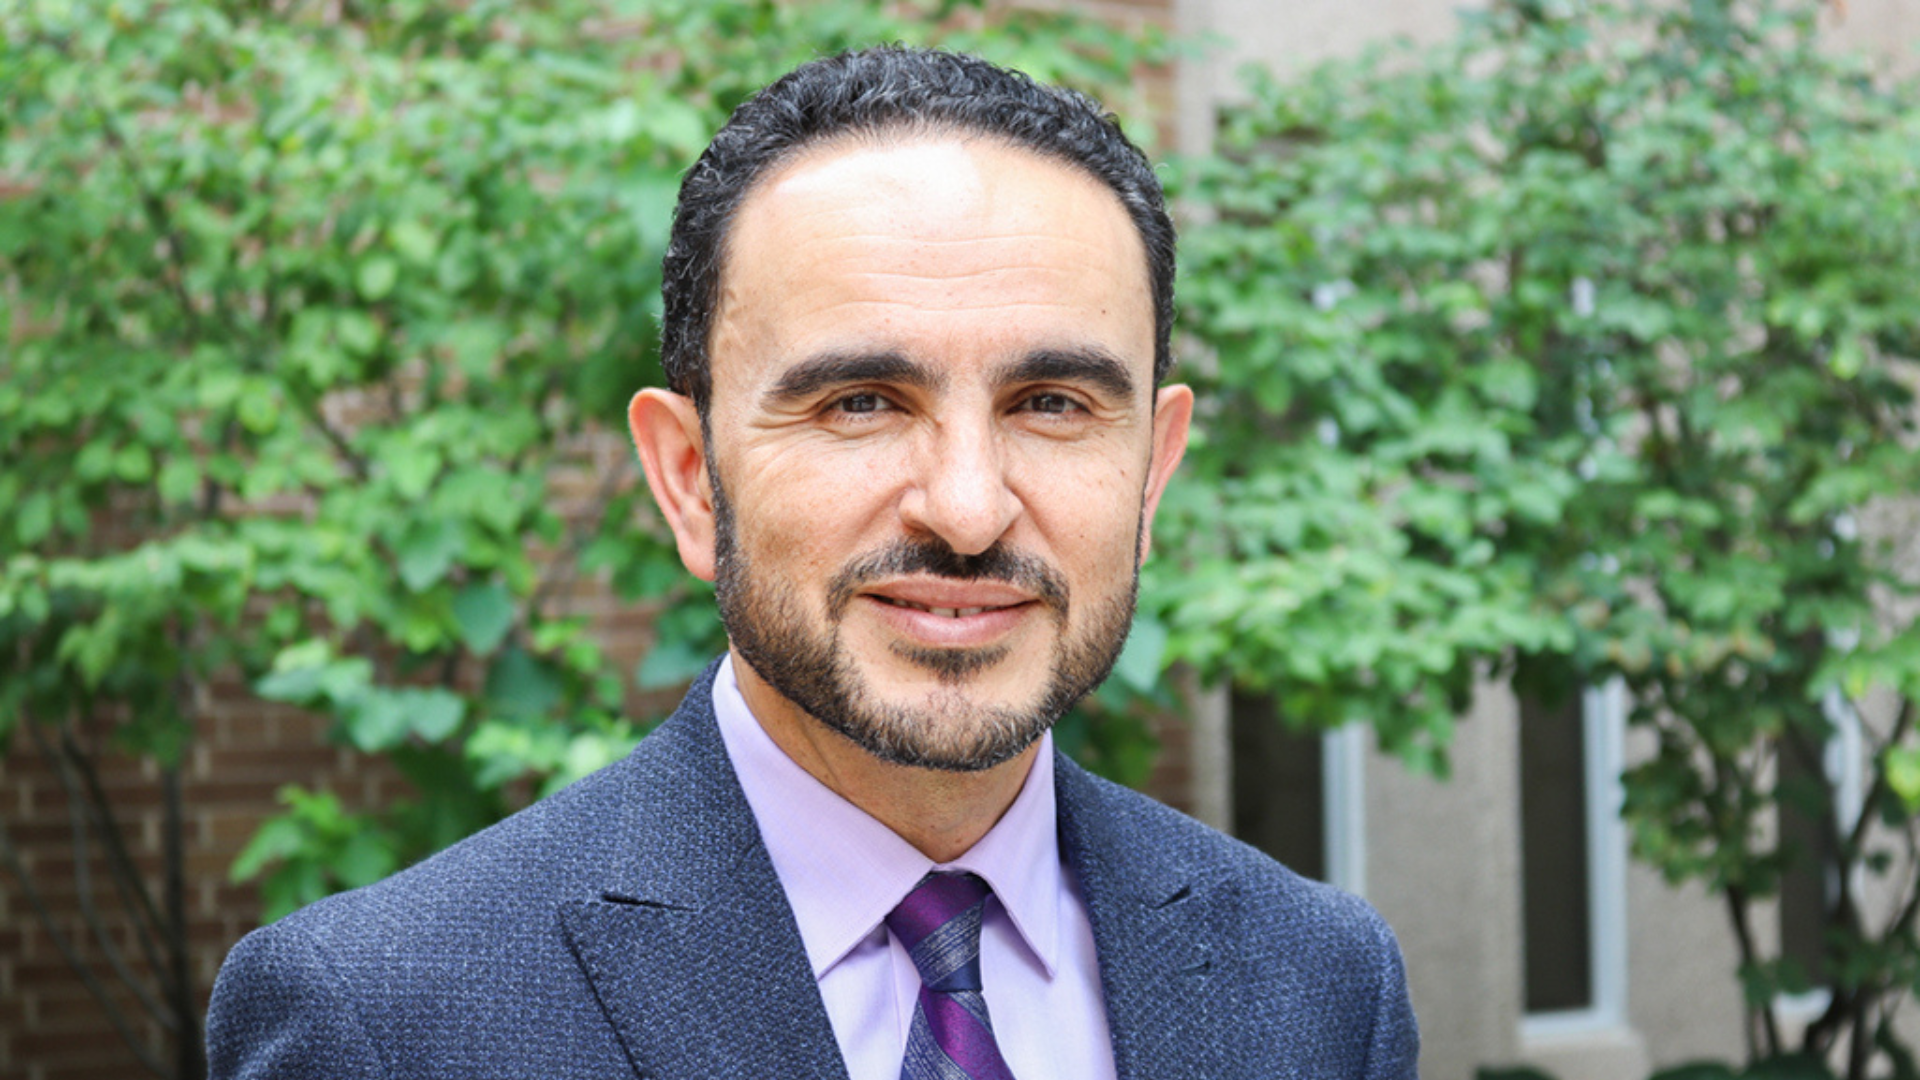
[(843, 870)]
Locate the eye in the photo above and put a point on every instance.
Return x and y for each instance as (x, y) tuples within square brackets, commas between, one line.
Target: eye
[(860, 404), (1051, 404)]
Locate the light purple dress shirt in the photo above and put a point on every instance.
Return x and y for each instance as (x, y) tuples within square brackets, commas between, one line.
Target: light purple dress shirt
[(843, 871)]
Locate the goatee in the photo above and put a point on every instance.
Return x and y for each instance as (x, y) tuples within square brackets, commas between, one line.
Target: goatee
[(948, 729)]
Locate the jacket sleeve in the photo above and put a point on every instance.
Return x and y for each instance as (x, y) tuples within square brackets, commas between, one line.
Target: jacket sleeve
[(1393, 1053), (280, 1011)]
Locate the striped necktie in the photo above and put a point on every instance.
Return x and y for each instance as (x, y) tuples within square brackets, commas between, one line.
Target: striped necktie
[(951, 1037)]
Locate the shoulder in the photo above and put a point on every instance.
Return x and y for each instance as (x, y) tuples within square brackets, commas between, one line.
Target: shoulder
[(475, 927), (1123, 832), (335, 989), (1315, 973)]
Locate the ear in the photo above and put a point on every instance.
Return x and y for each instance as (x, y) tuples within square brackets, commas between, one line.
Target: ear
[(666, 432), (1172, 413)]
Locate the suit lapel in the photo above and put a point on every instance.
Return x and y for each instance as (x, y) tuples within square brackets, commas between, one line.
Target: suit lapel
[(691, 947), (1155, 923), (694, 956)]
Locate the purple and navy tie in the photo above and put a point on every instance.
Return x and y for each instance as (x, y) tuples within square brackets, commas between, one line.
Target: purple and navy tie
[(951, 1037)]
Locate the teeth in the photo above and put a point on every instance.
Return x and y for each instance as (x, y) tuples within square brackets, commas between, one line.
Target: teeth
[(944, 612)]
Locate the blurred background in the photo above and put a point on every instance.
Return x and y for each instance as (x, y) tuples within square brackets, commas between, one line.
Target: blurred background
[(1544, 568)]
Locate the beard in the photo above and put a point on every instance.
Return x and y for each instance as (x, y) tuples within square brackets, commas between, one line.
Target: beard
[(948, 729)]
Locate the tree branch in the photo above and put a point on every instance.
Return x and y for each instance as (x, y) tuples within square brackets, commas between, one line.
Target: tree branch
[(79, 813), (189, 1052), (356, 463), (126, 876), (1760, 1021), (1857, 836), (118, 1019)]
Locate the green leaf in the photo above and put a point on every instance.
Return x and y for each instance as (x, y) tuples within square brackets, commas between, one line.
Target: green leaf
[(179, 480), (1789, 1067), (380, 721), (671, 662), (258, 409), (1142, 658), (133, 463), (295, 685), (34, 520), (413, 468), (428, 552), (359, 333), (278, 838), (1903, 775), (485, 614), (435, 714), (376, 277), (365, 858), (520, 685), (1697, 1070), (414, 241)]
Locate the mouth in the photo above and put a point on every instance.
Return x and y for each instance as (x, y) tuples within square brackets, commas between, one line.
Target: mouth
[(952, 615), (943, 612)]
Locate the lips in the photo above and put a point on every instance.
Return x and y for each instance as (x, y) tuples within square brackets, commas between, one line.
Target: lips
[(950, 614), (944, 612), (951, 599)]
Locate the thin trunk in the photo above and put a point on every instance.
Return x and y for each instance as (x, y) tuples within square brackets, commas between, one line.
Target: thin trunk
[(1763, 1033), (88, 801), (1860, 1034), (121, 1024), (190, 1062)]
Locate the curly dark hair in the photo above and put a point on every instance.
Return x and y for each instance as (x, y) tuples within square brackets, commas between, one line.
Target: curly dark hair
[(877, 92)]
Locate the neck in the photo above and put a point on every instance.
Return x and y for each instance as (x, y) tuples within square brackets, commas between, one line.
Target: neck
[(942, 814)]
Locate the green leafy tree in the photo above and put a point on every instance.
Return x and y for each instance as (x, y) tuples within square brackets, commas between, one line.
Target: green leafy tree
[(319, 322), (1583, 348)]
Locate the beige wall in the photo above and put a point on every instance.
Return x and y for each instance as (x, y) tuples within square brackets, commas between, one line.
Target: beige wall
[(1443, 866)]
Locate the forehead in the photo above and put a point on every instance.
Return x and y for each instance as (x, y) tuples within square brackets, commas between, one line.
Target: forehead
[(958, 247)]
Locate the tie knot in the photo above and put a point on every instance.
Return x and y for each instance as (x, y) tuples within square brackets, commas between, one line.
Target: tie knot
[(939, 925)]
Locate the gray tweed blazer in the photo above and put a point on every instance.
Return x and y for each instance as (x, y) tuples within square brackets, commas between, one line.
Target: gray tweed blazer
[(632, 925)]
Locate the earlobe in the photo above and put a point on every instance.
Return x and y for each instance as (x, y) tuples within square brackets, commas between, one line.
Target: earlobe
[(667, 435), (1172, 415)]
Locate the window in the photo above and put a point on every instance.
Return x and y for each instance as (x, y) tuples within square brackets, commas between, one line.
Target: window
[(1573, 862), (1299, 796)]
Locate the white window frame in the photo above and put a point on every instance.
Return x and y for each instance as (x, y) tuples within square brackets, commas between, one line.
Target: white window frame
[(1603, 724), (1343, 791)]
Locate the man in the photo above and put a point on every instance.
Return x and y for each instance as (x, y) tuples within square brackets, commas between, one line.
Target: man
[(917, 321)]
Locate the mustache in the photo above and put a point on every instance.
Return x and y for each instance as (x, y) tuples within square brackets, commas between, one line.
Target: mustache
[(937, 558)]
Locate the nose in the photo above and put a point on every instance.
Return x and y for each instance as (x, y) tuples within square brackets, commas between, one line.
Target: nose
[(960, 491)]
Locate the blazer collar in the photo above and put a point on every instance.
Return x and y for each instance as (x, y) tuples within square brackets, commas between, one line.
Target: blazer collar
[(695, 957), (691, 947), (1155, 916)]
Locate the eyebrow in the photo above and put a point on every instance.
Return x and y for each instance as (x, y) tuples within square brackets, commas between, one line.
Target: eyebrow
[(1091, 365), (1094, 366), (818, 373)]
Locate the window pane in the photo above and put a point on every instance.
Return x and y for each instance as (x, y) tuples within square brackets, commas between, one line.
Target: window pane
[(1279, 803), (1804, 823), (1555, 894)]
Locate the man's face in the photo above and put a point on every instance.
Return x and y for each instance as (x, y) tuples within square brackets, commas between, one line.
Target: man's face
[(933, 443)]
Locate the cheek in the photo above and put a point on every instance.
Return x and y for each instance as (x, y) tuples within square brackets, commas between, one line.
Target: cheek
[(808, 512), (1092, 523)]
